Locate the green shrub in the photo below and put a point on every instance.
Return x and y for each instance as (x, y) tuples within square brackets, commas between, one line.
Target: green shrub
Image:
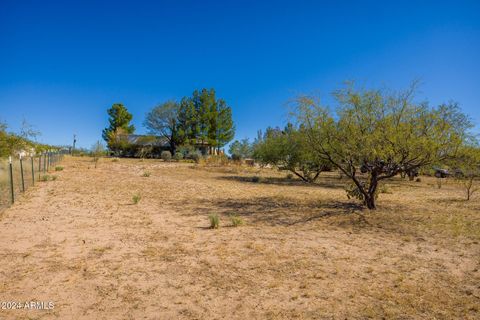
[(195, 156), (45, 178), (136, 198), (236, 221), (289, 176), (214, 221), (58, 168), (115, 160), (54, 178), (146, 174), (166, 155), (178, 156)]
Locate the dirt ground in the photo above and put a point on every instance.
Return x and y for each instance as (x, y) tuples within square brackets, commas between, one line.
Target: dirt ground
[(304, 252)]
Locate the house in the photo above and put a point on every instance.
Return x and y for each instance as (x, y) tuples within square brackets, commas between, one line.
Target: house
[(152, 146)]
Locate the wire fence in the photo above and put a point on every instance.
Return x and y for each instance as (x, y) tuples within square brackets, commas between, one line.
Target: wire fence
[(19, 174)]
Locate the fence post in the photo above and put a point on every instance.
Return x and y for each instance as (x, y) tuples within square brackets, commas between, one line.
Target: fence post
[(33, 171), (44, 162), (39, 166), (11, 178), (21, 174)]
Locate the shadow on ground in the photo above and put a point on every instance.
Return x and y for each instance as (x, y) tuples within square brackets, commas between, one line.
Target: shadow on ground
[(277, 210), (324, 182)]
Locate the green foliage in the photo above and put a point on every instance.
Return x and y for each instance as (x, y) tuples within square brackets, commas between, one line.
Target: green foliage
[(136, 198), (214, 221), (467, 163), (178, 156), (45, 178), (204, 119), (119, 125), (11, 143), (241, 149), (236, 221), (58, 168), (288, 149), (163, 121), (97, 151), (166, 156), (380, 134), (146, 174)]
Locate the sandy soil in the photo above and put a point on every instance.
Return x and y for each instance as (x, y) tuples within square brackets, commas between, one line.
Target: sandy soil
[(305, 252)]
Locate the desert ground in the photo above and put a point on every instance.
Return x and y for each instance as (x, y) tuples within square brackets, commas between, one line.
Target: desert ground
[(304, 252)]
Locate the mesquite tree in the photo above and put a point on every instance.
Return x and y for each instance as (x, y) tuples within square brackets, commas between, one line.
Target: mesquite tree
[(374, 135), (467, 166), (288, 150)]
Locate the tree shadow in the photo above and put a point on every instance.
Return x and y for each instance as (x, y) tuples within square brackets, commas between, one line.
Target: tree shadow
[(275, 211), (324, 182)]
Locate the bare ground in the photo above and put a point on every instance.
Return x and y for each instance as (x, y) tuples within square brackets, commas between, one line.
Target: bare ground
[(305, 252)]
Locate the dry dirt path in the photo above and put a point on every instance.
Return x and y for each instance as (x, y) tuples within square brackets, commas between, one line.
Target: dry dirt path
[(81, 243)]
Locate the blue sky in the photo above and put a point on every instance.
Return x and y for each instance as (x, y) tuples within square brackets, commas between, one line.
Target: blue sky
[(62, 64)]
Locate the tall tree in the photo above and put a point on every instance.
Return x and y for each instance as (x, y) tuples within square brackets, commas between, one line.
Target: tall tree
[(225, 129), (376, 135), (119, 118), (203, 118), (163, 120)]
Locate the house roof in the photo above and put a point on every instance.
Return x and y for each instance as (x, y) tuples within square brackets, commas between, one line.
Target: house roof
[(144, 140)]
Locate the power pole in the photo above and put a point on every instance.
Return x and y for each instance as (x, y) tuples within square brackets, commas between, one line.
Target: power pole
[(74, 141)]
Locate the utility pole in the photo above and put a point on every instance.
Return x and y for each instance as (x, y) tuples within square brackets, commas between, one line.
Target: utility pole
[(74, 141)]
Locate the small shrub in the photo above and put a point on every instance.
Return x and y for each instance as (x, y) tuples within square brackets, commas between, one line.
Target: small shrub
[(418, 180), (136, 198), (45, 178), (166, 155), (178, 156), (115, 160), (146, 174), (384, 189), (289, 176), (195, 156), (439, 183), (58, 168), (236, 221), (214, 221), (54, 178)]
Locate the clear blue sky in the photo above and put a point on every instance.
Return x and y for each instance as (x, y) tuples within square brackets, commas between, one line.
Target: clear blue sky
[(63, 63)]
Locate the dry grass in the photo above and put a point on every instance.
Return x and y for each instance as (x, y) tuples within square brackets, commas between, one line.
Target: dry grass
[(304, 252)]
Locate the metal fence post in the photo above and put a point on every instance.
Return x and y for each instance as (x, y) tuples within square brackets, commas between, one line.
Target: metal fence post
[(44, 162), (11, 178), (39, 166), (21, 174), (33, 171)]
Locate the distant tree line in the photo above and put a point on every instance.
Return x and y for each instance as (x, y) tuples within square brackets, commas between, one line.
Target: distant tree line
[(12, 144)]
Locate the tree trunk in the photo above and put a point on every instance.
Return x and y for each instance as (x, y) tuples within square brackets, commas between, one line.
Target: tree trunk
[(371, 192), (370, 202)]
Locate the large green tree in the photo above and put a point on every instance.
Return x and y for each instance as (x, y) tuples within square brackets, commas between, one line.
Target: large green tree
[(375, 135), (163, 120), (202, 118), (119, 121)]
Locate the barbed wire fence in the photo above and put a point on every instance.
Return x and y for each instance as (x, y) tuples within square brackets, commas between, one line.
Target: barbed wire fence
[(19, 174)]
